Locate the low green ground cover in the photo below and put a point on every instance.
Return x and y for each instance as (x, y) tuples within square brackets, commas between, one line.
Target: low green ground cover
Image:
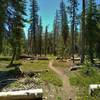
[(34, 65), (83, 78), (61, 64)]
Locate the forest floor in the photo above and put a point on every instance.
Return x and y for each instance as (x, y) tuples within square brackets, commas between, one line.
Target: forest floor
[(56, 80), (55, 83)]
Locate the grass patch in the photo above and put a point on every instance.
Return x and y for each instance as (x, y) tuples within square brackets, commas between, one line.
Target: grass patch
[(52, 78), (60, 64), (34, 65)]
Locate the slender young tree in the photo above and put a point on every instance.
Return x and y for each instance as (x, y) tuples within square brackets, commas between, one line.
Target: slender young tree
[(50, 43), (40, 36), (55, 33), (46, 40), (29, 41), (54, 39)]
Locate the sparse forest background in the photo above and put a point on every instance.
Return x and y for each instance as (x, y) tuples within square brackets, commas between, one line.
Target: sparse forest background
[(73, 34)]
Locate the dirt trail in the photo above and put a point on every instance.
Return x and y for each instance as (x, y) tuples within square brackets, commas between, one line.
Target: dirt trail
[(68, 89)]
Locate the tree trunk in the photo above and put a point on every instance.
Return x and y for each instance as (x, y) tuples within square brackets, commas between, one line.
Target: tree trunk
[(46, 40), (91, 54), (73, 36), (40, 44), (54, 46), (35, 51), (13, 57), (83, 32)]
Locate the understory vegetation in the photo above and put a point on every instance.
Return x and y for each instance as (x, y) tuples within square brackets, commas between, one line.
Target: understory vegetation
[(82, 78)]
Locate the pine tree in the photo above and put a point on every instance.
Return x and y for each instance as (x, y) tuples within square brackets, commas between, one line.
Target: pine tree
[(34, 17), (83, 31), (30, 40), (56, 30), (16, 31), (40, 37), (91, 28), (97, 51), (73, 13), (50, 43), (64, 23), (46, 40)]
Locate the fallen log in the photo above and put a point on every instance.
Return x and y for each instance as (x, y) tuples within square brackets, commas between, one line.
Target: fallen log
[(22, 95), (26, 56)]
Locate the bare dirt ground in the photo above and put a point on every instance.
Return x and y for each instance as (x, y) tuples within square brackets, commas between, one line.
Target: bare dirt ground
[(68, 90)]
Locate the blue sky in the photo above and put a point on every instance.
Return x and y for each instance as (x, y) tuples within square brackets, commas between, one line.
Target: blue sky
[(47, 11)]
